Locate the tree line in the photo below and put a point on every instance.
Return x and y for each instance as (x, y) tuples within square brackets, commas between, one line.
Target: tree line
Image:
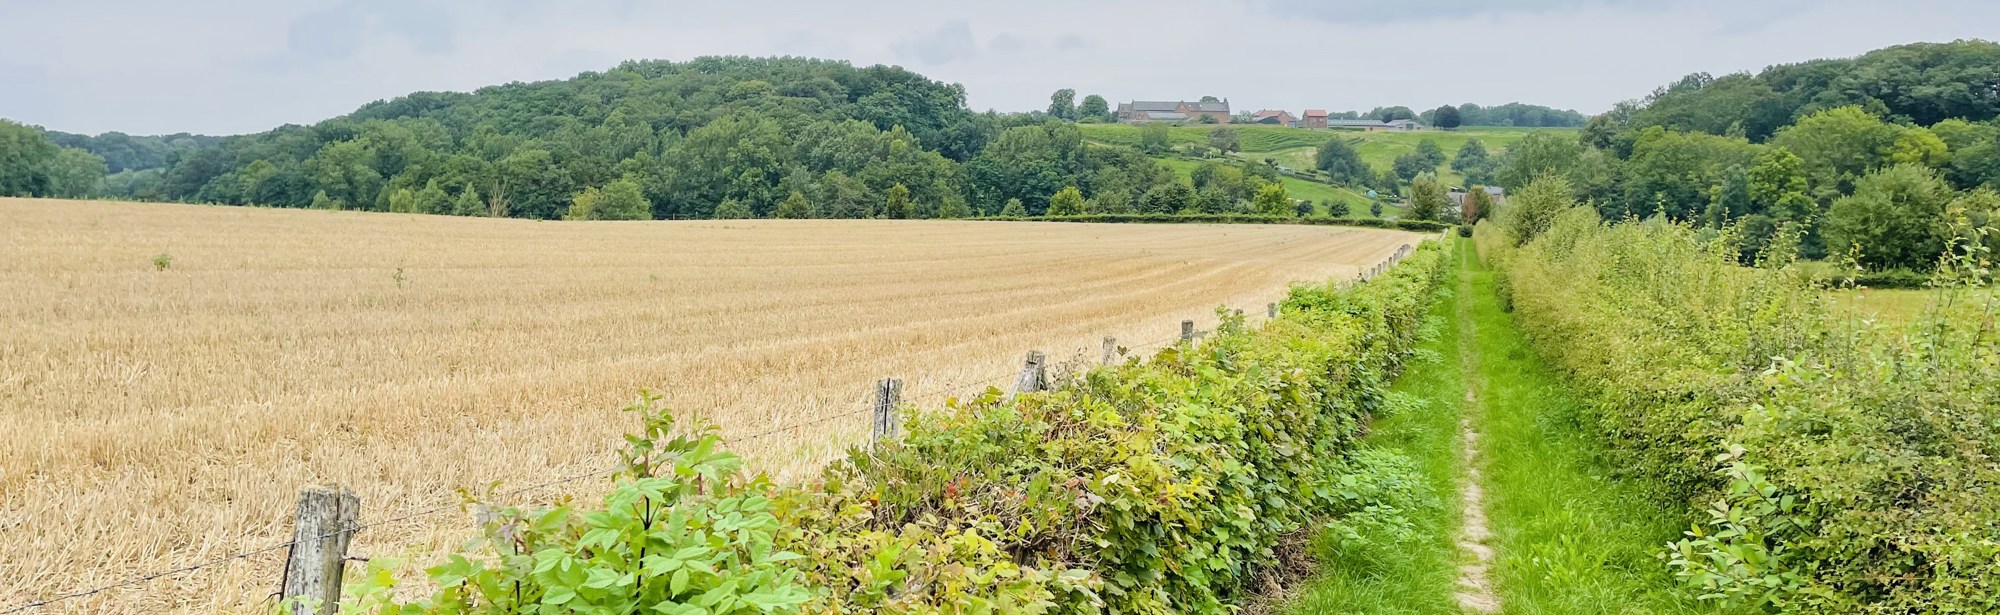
[(711, 137), (1882, 158)]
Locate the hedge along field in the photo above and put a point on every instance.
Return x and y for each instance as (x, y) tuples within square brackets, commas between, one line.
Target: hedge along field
[(1297, 147), (175, 373), (1835, 464), (1162, 485)]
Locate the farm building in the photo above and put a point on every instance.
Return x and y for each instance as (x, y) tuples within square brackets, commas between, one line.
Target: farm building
[(1497, 194), (1315, 118), (1275, 116), (1173, 111)]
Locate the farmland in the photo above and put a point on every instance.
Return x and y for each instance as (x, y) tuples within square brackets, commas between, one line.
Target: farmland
[(176, 372)]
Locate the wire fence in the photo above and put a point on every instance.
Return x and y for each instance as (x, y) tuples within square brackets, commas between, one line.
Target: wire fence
[(945, 390)]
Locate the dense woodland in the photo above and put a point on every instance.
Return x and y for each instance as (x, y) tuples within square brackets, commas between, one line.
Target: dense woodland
[(1893, 151)]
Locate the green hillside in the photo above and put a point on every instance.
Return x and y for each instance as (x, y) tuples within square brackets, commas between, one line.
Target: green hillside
[(1357, 202)]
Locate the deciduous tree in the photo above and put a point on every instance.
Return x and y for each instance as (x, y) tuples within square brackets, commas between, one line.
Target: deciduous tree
[(1153, 138), (1895, 216), (1062, 104), (1272, 200), (1478, 204), (1342, 164), (898, 205), (1446, 117), (1533, 208), (1224, 138), (732, 209), (795, 207), (1427, 198), (1167, 198), (1093, 107), (1066, 202)]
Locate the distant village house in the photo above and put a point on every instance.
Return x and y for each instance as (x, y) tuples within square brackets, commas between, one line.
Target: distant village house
[(1275, 116), (1315, 118), (1497, 196), (1173, 111)]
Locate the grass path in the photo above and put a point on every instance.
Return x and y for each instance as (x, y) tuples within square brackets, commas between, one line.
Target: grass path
[(1411, 568), (1568, 536), (1529, 520)]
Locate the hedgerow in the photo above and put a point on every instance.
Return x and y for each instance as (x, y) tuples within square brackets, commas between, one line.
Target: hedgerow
[(1424, 226), (1831, 465), (1160, 485)]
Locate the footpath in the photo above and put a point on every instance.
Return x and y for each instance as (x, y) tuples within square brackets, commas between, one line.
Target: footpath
[(1489, 495)]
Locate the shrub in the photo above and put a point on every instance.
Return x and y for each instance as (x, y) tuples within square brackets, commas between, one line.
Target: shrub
[(1422, 226), (1838, 466), (1151, 486)]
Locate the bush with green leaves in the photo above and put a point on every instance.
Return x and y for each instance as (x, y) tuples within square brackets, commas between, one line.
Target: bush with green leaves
[(1157, 485), (683, 533), (1833, 464), (1422, 226)]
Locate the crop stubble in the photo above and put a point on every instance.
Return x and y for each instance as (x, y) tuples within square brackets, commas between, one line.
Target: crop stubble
[(154, 418)]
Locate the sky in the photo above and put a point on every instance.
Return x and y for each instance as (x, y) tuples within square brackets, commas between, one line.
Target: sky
[(238, 66)]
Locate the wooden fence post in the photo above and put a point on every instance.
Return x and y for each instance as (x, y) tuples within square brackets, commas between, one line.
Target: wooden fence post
[(1187, 331), (1110, 349), (326, 521), (888, 395), (1034, 374)]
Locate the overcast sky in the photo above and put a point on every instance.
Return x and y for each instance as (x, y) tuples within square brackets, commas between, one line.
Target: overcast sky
[(235, 66)]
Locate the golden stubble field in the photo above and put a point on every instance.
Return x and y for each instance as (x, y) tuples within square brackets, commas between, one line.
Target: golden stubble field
[(155, 418)]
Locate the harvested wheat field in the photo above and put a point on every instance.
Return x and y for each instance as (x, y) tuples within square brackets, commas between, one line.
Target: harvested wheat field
[(174, 374)]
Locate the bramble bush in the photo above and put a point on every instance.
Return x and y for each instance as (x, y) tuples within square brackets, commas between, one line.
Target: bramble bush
[(1832, 464), (1152, 486)]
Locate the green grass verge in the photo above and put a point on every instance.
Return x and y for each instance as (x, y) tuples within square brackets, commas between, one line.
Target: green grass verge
[(1411, 570), (1570, 537)]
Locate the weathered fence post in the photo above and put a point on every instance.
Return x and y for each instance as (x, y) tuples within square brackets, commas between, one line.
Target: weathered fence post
[(326, 521), (1034, 374), (1110, 349), (1187, 331), (888, 395), (1270, 310)]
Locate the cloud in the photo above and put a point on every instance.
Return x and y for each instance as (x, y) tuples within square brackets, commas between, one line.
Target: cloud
[(327, 35), (950, 42), (808, 43), (338, 33), (1386, 11), (427, 28), (1010, 43)]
